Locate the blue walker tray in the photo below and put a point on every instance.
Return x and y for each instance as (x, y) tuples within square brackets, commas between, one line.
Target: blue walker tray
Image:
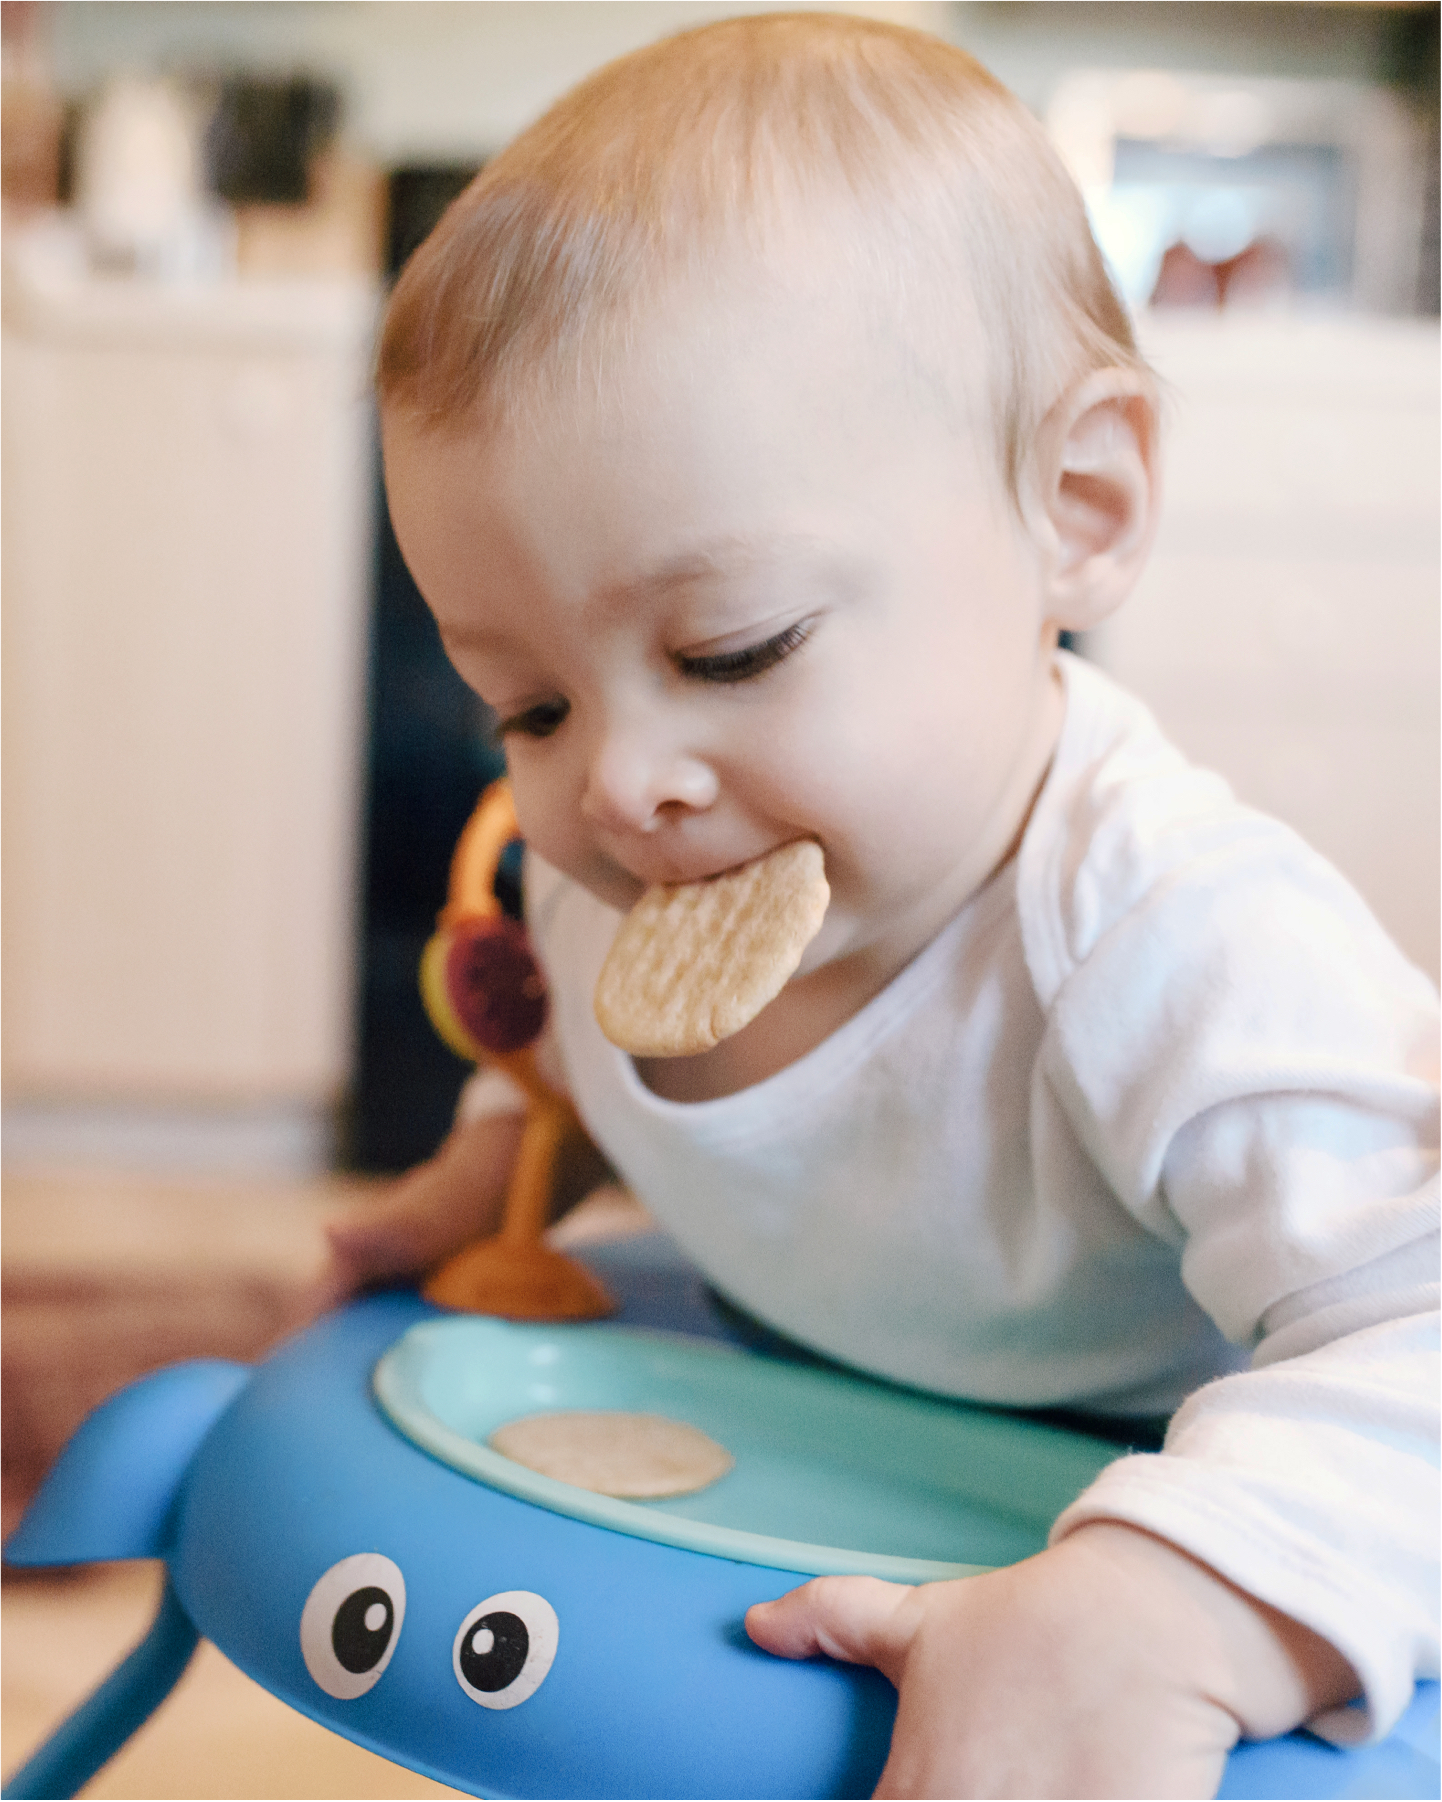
[(831, 1474), (335, 1522)]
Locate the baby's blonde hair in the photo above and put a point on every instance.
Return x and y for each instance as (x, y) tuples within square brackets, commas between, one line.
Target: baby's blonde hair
[(942, 185)]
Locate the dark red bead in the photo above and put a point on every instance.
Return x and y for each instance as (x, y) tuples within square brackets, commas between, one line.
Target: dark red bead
[(495, 985)]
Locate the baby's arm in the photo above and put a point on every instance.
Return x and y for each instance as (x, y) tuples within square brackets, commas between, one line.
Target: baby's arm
[(1111, 1665), (453, 1198), (446, 1202)]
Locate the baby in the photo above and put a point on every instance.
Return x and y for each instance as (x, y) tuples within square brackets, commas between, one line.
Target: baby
[(753, 426)]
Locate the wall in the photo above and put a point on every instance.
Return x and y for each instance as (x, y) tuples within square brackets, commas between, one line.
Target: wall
[(1286, 628), (452, 79), (425, 80), (187, 522)]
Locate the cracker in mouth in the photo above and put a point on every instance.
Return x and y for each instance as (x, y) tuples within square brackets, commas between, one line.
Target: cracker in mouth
[(695, 962)]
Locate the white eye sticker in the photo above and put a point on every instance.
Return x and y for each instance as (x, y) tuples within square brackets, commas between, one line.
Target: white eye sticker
[(351, 1622), (505, 1647)]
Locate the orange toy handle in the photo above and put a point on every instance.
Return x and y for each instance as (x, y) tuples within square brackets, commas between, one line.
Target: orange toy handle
[(477, 856), (512, 1273), (471, 896)]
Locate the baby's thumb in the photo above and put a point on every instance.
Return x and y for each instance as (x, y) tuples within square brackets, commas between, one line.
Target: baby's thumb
[(860, 1620)]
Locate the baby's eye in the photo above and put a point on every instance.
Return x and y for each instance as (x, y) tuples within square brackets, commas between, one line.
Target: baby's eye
[(539, 721), (751, 660)]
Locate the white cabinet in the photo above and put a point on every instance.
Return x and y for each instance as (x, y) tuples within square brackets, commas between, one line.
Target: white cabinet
[(1286, 630), (186, 539)]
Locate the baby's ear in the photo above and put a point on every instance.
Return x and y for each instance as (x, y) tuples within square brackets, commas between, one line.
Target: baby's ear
[(1094, 495)]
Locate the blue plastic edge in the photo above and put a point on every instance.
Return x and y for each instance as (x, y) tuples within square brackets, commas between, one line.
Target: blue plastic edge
[(112, 1491)]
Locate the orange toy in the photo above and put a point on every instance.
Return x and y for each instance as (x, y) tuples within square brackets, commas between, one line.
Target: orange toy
[(486, 998)]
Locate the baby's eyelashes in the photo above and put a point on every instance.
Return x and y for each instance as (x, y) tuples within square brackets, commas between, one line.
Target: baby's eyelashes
[(543, 718), (751, 660), (539, 721)]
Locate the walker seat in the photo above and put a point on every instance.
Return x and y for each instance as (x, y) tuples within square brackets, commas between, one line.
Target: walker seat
[(335, 1522)]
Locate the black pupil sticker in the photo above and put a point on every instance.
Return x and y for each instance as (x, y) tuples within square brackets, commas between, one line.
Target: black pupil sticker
[(362, 1629), (493, 1653)]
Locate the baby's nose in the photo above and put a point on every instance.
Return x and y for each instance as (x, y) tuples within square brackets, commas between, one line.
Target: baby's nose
[(635, 787)]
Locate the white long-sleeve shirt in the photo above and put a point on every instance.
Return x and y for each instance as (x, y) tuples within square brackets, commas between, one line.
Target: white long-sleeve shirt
[(1151, 1125)]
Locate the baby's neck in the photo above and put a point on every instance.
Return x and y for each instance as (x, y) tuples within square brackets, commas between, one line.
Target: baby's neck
[(809, 1009)]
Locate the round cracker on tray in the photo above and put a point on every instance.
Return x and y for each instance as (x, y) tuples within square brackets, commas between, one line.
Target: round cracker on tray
[(695, 962), (613, 1453)]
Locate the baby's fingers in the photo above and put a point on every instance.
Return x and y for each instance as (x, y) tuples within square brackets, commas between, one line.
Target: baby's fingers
[(860, 1620)]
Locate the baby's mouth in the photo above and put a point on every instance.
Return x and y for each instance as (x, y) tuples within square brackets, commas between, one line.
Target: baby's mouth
[(678, 873)]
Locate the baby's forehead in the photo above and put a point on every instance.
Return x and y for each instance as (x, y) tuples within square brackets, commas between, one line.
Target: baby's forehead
[(806, 302), (739, 475)]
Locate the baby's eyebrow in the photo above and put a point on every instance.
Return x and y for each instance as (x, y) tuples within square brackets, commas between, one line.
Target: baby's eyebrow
[(719, 557)]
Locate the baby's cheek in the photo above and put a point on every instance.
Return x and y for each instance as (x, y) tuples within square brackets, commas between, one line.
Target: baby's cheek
[(593, 870), (544, 833)]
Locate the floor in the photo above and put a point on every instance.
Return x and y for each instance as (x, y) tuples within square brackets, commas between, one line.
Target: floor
[(107, 1275)]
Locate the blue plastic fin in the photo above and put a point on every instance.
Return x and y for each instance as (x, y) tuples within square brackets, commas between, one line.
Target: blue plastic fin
[(111, 1490), (126, 1699)]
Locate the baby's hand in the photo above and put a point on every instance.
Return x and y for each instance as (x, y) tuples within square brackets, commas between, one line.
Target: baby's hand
[(1111, 1665)]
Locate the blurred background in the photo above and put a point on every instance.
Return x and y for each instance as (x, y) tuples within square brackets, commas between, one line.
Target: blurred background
[(235, 759)]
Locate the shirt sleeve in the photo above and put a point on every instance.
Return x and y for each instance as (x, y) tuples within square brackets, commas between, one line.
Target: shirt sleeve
[(488, 1092), (1252, 1065)]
